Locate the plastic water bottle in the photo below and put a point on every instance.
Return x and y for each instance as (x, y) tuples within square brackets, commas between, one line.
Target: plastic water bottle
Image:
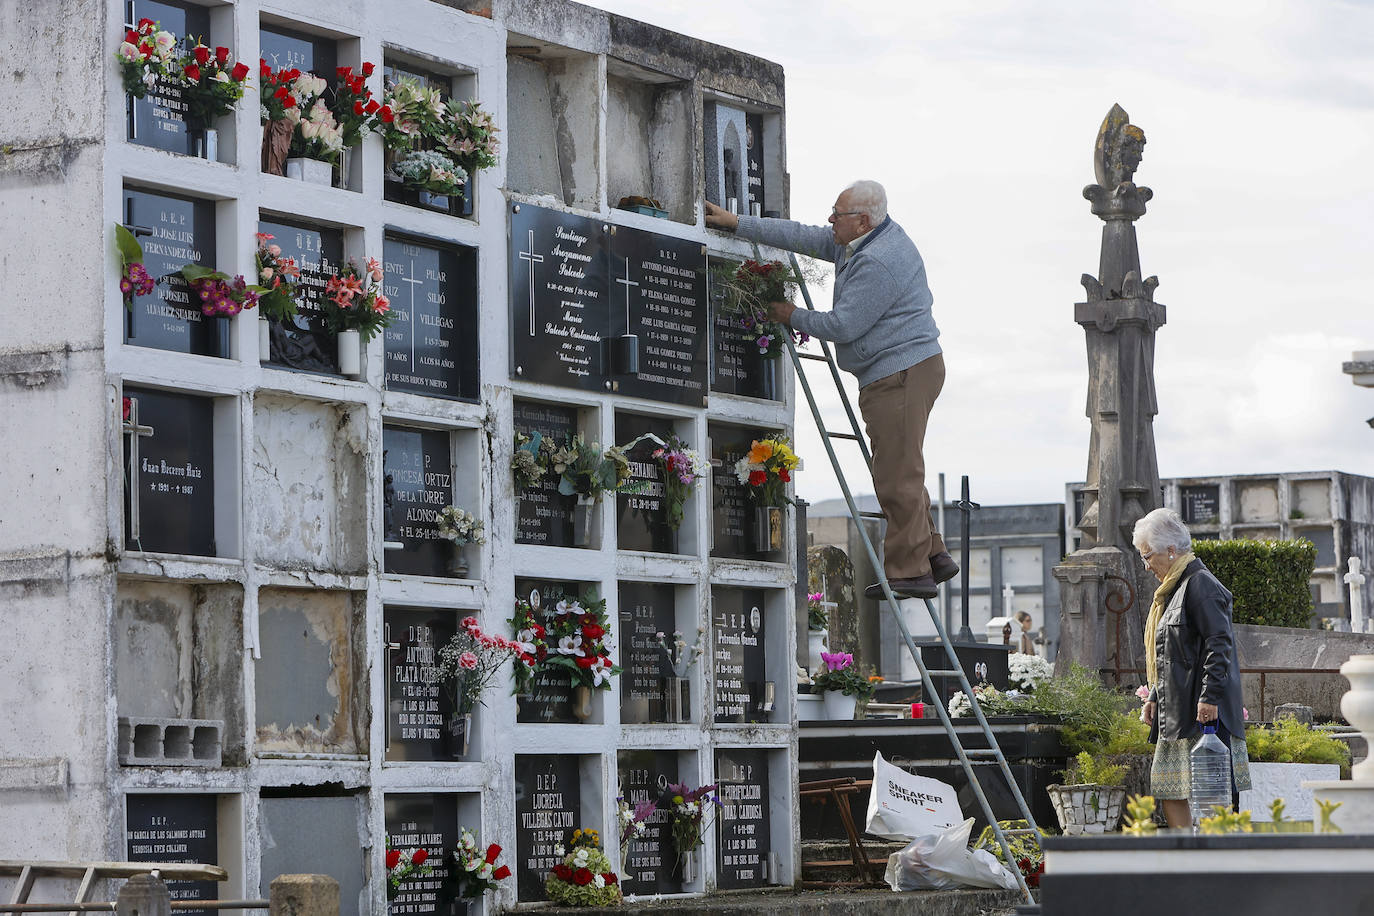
[(1210, 761)]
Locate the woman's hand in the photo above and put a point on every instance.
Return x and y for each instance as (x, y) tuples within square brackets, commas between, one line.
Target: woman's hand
[(1206, 713), (1148, 711)]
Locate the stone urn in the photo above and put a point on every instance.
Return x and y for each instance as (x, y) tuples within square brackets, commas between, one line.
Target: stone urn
[(1358, 708)]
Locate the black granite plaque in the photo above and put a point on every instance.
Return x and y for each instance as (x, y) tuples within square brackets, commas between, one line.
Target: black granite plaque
[(545, 515), (428, 820), (178, 829), (737, 367), (170, 458), (1201, 504), (417, 468), (550, 696), (657, 291), (650, 861), (737, 655), (731, 506), (642, 516), (558, 298), (417, 707), (304, 342), (743, 838), (753, 158), (548, 808), (431, 345), (646, 609), (282, 47), (179, 231), (159, 118)]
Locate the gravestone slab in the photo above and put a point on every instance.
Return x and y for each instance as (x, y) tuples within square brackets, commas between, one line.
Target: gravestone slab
[(174, 231), (282, 47), (753, 158), (1201, 504), (731, 507), (650, 865), (545, 516), (431, 345), (642, 517), (548, 807), (176, 829), (169, 473), (737, 366), (159, 118), (738, 660), (551, 696), (304, 342), (646, 609), (743, 835), (418, 467), (417, 706), (429, 821)]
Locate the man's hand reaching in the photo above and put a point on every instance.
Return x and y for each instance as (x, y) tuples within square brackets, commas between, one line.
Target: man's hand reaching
[(720, 218)]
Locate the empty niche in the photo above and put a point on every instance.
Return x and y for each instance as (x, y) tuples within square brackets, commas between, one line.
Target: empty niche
[(310, 685), (649, 140), (553, 109), (309, 476), (1257, 501), (1310, 499), (177, 658), (316, 830)]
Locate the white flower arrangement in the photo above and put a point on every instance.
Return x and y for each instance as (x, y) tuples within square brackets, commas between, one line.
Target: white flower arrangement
[(461, 527), (1024, 672)]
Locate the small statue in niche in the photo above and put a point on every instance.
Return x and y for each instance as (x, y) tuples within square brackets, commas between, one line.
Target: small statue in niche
[(388, 503), (731, 178)]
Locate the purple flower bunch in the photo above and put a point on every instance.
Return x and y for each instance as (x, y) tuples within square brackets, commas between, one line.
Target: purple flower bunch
[(136, 280), (221, 296)]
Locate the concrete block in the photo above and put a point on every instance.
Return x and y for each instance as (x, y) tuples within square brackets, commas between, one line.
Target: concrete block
[(34, 773), (151, 741)]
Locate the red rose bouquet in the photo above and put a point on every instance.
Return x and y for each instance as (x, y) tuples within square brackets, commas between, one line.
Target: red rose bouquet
[(146, 53), (477, 871), (404, 866), (585, 876), (354, 107), (212, 83)]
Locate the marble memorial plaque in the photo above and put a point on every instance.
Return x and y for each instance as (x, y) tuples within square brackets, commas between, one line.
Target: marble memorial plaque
[(417, 468), (429, 821), (753, 159), (1201, 504), (548, 808), (169, 473), (304, 342), (551, 696), (737, 654), (737, 367), (175, 829), (545, 516), (159, 118), (743, 838), (646, 609), (431, 345), (417, 706), (282, 47), (642, 517), (174, 231), (732, 508), (650, 863)]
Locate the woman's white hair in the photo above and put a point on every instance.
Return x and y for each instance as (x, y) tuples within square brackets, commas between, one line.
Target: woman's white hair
[(869, 197), (1160, 530)]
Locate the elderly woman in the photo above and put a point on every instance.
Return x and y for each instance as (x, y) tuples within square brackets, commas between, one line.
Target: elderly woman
[(1190, 663)]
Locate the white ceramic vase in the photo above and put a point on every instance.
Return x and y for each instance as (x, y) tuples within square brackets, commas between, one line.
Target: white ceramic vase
[(264, 340), (311, 171), (350, 353), (839, 707), (815, 645)]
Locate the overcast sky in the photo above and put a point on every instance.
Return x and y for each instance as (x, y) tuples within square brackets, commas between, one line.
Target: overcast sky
[(980, 117)]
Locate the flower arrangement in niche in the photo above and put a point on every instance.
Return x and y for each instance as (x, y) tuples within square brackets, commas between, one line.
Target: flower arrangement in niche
[(530, 462), (585, 876), (211, 84), (277, 275), (746, 290), (146, 53), (220, 296), (816, 616), (354, 300), (1025, 671), (354, 108), (134, 279), (435, 144), (531, 645), (842, 675), (468, 662), (633, 821), (477, 871), (429, 170), (277, 103), (403, 866), (471, 137), (679, 655), (688, 810), (766, 470), (576, 642), (460, 526), (586, 471), (681, 468)]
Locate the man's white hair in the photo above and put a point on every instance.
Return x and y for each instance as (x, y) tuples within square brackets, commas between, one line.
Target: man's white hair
[(1160, 530), (869, 197)]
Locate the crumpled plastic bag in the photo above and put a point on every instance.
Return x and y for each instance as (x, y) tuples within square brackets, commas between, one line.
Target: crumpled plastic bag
[(943, 860)]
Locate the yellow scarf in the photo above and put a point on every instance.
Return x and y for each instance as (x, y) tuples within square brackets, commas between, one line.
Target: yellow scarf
[(1157, 606)]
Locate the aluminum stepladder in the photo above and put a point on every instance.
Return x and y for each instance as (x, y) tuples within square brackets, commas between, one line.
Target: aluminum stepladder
[(993, 752)]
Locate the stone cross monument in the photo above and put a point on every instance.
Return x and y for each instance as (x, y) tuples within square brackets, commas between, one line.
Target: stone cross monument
[(1104, 586)]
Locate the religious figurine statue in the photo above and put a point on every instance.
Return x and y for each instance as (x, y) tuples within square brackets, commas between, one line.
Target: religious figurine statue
[(1119, 148), (388, 503)]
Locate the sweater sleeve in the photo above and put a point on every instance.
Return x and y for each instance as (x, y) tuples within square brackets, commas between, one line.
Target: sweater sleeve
[(812, 241), (869, 291)]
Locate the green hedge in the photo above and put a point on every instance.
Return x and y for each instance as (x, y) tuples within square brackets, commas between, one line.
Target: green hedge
[(1268, 578)]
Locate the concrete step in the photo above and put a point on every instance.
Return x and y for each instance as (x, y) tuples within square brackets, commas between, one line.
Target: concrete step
[(836, 902)]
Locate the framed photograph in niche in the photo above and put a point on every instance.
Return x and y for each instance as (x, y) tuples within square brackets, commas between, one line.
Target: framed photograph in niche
[(158, 119), (174, 231), (169, 472), (417, 481), (305, 343), (431, 345)]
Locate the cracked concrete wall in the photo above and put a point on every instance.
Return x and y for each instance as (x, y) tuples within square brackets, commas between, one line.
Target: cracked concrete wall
[(650, 153)]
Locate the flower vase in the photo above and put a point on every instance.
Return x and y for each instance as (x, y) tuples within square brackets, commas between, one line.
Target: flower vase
[(466, 199), (839, 707), (264, 340), (431, 201), (311, 171), (768, 528), (458, 734), (582, 521), (816, 642), (457, 565), (205, 143), (276, 142), (221, 334), (687, 867), (342, 168), (350, 354), (677, 696), (582, 702)]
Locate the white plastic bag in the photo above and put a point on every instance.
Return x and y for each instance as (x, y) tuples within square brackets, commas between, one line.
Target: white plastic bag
[(902, 805), (942, 861)]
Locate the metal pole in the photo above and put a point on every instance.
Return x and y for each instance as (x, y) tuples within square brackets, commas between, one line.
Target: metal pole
[(945, 604), (966, 507)]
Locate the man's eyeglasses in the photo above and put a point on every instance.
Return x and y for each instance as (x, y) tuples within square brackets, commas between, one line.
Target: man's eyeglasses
[(836, 214)]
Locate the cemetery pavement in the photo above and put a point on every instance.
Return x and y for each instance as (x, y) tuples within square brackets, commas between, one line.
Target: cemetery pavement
[(838, 901)]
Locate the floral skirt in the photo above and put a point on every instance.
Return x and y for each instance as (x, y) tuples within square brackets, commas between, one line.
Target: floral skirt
[(1171, 774)]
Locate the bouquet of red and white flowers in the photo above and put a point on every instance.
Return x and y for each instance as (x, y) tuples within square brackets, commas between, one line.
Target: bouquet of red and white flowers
[(576, 638), (146, 53), (354, 300), (468, 662), (403, 866), (211, 84), (585, 876), (766, 469), (477, 871)]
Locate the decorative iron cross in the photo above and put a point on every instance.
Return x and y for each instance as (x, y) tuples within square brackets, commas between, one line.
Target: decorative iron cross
[(627, 283), (134, 431)]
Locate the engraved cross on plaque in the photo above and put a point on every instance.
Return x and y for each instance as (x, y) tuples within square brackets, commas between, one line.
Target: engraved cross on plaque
[(627, 283), (134, 431), (533, 259), (390, 647), (410, 278)]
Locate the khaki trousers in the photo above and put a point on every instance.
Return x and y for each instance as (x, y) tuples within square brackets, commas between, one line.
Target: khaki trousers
[(895, 410)]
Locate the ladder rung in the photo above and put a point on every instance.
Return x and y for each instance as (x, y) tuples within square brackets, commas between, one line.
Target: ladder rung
[(801, 354), (982, 752), (944, 672), (850, 436), (869, 513)]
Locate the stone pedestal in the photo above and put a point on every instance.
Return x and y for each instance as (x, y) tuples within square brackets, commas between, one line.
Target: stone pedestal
[(1355, 795), (304, 895), (1103, 599)]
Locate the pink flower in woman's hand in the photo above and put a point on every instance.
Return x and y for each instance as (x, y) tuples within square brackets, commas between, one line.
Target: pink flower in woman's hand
[(1246, 713), (1143, 692)]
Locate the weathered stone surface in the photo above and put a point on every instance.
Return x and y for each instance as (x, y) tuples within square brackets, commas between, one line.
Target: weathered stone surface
[(304, 895), (144, 895), (1296, 711), (828, 570)]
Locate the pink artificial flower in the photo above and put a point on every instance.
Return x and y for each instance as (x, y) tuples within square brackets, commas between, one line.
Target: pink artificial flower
[(837, 661), (1246, 713), (470, 623), (1143, 692), (382, 305), (467, 661)]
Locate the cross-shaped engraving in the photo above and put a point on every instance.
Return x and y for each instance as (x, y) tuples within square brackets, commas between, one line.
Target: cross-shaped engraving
[(391, 647), (533, 259), (134, 431), (627, 283), (410, 278)]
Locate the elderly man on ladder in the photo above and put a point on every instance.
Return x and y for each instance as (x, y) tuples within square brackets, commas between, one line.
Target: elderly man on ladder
[(885, 334)]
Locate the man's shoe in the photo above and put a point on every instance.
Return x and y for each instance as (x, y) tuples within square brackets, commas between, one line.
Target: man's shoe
[(920, 587), (942, 567)]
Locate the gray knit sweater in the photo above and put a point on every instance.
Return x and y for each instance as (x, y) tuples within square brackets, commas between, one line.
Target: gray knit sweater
[(880, 319)]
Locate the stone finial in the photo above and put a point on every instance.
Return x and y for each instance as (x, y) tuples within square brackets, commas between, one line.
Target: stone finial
[(144, 895), (1119, 148)]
